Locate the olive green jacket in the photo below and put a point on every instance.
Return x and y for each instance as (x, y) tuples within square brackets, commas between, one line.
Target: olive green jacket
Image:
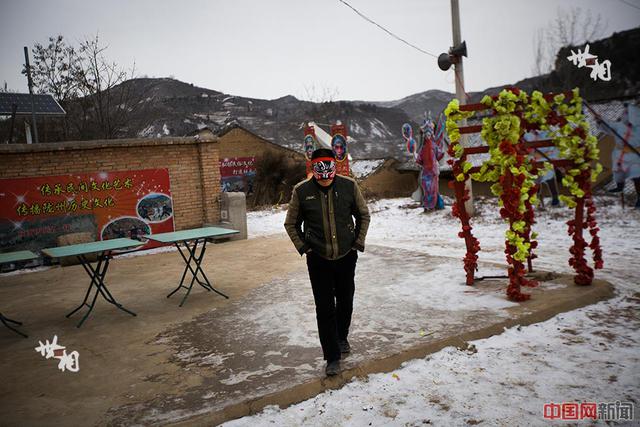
[(323, 222)]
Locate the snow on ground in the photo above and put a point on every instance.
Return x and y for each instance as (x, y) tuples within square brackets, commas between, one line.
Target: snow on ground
[(569, 358), (26, 270), (394, 224), (288, 325), (402, 224), (586, 355), (266, 222)]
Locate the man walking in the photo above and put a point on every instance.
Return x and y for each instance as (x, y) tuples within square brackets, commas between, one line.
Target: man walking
[(320, 223)]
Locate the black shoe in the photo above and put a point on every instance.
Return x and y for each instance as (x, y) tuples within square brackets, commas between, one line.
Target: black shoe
[(333, 368), (344, 346)]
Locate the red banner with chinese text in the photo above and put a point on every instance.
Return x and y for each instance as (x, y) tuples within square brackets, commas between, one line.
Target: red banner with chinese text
[(35, 211)]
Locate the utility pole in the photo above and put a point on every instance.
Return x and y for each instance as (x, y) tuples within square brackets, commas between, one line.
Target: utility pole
[(33, 106), (460, 93)]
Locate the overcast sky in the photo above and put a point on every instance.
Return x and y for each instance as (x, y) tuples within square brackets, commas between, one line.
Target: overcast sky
[(268, 49)]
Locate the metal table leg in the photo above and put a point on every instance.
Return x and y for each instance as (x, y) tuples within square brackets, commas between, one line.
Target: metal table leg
[(186, 268), (6, 319), (197, 260), (97, 275)]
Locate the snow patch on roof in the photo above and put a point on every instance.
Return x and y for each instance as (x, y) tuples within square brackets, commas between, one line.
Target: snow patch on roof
[(364, 168)]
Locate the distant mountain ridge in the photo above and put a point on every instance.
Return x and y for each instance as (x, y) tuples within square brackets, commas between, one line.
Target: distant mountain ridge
[(417, 105), (178, 108)]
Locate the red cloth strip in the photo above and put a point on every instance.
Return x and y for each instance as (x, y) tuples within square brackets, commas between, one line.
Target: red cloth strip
[(323, 159)]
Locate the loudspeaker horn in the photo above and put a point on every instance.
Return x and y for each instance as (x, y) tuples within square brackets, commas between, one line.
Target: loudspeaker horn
[(444, 62), (460, 50)]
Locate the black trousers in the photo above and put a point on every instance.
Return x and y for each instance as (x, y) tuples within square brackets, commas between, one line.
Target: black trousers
[(333, 287)]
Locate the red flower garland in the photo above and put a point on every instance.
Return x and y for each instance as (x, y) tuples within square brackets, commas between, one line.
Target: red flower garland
[(511, 184), (584, 274), (510, 197), (473, 245)]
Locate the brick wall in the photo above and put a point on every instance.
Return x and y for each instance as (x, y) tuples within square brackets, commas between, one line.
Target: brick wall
[(193, 167), (389, 182)]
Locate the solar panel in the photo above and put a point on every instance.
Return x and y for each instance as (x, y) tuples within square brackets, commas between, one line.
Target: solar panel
[(45, 105)]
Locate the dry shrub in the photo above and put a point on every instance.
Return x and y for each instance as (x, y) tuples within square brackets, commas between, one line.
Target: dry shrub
[(275, 177)]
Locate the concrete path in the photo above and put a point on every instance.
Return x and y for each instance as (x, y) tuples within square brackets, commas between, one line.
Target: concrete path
[(215, 359)]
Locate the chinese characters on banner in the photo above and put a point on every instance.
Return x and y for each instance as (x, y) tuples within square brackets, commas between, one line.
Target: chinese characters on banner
[(237, 174), (34, 212)]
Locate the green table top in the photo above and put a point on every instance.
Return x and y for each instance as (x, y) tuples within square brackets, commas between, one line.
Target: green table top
[(194, 234), (93, 247), (8, 257)]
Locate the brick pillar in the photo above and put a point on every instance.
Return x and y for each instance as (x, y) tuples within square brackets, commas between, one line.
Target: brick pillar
[(209, 162)]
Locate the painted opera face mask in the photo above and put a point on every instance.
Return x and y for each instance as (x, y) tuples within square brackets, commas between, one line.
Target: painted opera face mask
[(324, 170)]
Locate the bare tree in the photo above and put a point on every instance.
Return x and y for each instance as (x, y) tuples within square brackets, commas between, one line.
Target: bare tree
[(320, 93), (53, 72), (53, 69), (90, 87), (105, 101), (569, 28)]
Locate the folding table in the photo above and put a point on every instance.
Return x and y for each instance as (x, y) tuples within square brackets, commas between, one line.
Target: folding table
[(8, 258), (191, 239), (104, 249)]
